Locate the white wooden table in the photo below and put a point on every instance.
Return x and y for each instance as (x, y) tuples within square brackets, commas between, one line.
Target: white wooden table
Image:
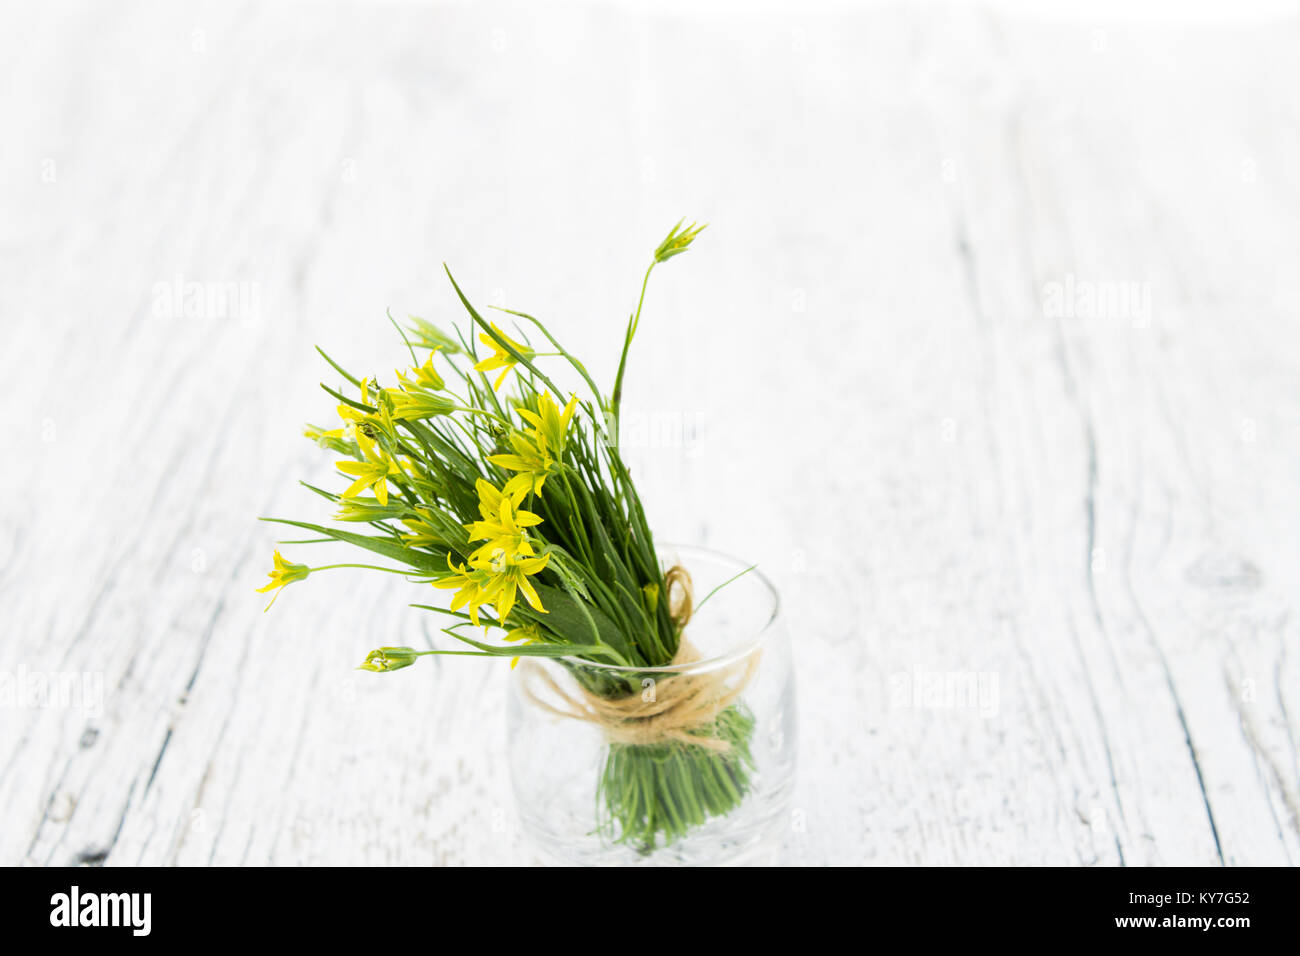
[(989, 357)]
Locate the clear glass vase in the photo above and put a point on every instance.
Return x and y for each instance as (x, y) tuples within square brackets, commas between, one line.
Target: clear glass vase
[(710, 783)]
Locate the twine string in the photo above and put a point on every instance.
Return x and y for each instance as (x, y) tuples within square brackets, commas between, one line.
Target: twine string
[(682, 707)]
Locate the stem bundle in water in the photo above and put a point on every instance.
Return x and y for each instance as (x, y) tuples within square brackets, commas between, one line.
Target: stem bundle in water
[(652, 794)]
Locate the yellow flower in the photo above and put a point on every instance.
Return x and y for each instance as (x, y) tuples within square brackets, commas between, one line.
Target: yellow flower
[(529, 634), (509, 576), (426, 376), (374, 472), (500, 358), (352, 416), (356, 421), (531, 459), (503, 531), (416, 399), (536, 449), (469, 584), (489, 498), (286, 572), (497, 571), (549, 422)]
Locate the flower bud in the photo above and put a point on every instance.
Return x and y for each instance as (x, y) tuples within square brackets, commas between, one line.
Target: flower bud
[(389, 659)]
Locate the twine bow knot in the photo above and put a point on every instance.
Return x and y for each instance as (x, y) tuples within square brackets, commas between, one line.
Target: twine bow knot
[(681, 707)]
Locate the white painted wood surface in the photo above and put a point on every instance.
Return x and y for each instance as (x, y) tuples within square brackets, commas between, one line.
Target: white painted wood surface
[(879, 375)]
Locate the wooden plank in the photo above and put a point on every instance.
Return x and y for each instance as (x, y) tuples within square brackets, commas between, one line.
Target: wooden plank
[(1034, 547)]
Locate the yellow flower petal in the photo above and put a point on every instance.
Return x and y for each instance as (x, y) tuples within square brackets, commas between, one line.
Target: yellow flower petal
[(530, 593), (358, 486)]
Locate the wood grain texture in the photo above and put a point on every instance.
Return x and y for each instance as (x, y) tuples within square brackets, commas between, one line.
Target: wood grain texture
[(989, 357)]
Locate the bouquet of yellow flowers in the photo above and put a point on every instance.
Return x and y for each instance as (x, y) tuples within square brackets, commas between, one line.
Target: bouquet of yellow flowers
[(520, 505)]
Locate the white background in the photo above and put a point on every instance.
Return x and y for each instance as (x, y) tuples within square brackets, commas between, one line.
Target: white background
[(868, 376)]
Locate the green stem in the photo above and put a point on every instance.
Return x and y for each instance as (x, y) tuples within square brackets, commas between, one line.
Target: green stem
[(368, 567), (616, 398)]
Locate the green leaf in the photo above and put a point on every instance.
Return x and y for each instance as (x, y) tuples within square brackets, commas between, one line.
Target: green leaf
[(402, 333), (531, 650), (486, 326), (413, 557), (572, 359), (368, 409), (338, 368), (566, 619)]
